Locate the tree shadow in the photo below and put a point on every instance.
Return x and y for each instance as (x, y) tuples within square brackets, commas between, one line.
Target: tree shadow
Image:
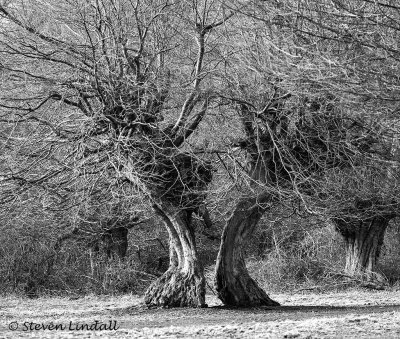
[(141, 316), (311, 308), (306, 311)]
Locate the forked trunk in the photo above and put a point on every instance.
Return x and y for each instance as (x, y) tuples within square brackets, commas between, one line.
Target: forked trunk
[(233, 283), (363, 241), (183, 284)]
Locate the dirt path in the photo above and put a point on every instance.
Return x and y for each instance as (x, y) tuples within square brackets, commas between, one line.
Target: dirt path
[(336, 315)]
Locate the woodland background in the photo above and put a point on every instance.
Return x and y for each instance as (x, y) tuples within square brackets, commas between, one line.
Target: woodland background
[(104, 104)]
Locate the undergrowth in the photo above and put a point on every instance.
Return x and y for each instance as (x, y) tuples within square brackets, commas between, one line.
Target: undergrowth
[(286, 258)]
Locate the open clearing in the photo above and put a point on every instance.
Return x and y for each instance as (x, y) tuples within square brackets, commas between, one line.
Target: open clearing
[(352, 314)]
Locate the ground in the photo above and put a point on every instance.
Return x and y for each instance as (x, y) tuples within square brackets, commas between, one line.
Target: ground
[(351, 314)]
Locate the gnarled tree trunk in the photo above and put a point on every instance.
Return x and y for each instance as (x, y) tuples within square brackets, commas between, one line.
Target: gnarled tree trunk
[(233, 283), (183, 284), (363, 241)]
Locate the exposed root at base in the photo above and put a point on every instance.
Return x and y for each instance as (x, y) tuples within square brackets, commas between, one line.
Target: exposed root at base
[(243, 292), (176, 289)]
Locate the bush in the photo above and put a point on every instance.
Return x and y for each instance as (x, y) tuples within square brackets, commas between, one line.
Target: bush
[(287, 255), (301, 258), (311, 257)]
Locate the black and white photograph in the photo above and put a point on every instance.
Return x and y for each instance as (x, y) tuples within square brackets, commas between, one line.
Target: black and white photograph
[(200, 169)]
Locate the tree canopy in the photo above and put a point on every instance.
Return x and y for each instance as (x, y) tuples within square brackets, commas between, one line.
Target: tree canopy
[(300, 97)]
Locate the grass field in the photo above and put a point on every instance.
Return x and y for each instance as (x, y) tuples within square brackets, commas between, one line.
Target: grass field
[(351, 314)]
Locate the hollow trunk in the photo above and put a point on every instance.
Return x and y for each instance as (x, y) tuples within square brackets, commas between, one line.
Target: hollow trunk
[(183, 284), (233, 283), (363, 241)]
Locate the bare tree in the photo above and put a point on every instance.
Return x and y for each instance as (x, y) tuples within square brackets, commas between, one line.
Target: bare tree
[(121, 83), (303, 133), (352, 47), (120, 89)]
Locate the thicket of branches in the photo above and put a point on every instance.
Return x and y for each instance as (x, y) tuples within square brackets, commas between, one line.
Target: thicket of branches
[(249, 105)]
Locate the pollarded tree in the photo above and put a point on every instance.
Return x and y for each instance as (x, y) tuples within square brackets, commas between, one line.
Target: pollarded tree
[(361, 202), (298, 127), (350, 50), (123, 85)]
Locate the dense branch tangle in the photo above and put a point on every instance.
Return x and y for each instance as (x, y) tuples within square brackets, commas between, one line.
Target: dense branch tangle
[(286, 150), (125, 84), (122, 68), (293, 145), (323, 143)]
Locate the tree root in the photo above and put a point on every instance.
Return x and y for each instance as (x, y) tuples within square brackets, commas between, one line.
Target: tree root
[(176, 289)]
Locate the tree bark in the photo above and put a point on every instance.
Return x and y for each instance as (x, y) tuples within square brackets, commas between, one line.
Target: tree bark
[(363, 240), (233, 283), (183, 284)]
